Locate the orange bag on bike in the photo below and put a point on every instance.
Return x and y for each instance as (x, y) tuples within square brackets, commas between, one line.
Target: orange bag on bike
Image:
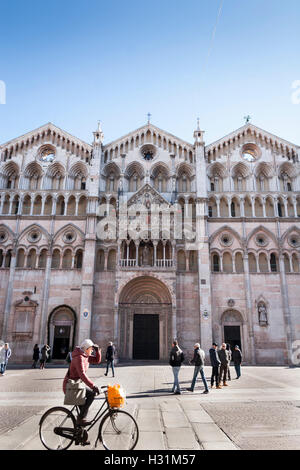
[(116, 396)]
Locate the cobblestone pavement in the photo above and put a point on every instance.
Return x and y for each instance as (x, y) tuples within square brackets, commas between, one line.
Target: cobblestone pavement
[(261, 410)]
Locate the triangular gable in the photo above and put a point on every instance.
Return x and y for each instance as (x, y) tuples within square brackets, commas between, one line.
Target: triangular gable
[(43, 130), (145, 129), (252, 131), (147, 192)]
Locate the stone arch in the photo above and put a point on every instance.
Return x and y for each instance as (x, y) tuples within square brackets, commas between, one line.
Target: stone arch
[(145, 323), (62, 317)]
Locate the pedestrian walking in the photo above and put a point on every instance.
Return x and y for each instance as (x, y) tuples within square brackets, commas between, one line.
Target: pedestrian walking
[(224, 358), (110, 358), (176, 359), (81, 359), (5, 355), (198, 360), (215, 363), (237, 358), (36, 356), (44, 355), (69, 357), (230, 357)]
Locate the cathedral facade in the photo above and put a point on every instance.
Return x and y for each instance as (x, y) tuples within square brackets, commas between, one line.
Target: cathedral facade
[(83, 253)]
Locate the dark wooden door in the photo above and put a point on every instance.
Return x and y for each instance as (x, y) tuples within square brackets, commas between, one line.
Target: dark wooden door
[(232, 335), (145, 336), (61, 342)]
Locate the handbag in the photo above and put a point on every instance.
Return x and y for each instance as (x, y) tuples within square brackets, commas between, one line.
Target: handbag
[(75, 392)]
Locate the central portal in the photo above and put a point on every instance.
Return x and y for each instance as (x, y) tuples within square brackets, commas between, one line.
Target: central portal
[(144, 320), (145, 336)]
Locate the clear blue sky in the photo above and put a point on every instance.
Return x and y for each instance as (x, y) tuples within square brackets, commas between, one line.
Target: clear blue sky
[(76, 62)]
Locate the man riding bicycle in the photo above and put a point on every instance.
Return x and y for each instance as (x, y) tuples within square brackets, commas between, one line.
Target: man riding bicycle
[(81, 359)]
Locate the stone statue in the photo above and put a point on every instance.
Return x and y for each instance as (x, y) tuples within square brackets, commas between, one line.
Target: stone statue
[(262, 314), (146, 256)]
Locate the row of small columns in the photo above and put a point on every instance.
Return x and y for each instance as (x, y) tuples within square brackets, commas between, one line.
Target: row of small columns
[(137, 243), (53, 210), (242, 207)]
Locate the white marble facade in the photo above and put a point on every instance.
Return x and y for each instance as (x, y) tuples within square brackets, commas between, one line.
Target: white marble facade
[(237, 281)]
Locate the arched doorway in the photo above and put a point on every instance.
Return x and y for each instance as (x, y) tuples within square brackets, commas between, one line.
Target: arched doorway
[(145, 319), (232, 328), (61, 331)]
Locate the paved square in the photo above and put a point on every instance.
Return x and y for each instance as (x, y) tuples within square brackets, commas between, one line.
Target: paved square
[(261, 410)]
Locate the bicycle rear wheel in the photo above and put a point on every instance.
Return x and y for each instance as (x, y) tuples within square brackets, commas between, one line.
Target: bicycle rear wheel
[(118, 431), (57, 417)]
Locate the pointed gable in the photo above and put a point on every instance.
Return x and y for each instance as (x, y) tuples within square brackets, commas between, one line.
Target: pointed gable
[(147, 194), (250, 132), (47, 133), (147, 134)]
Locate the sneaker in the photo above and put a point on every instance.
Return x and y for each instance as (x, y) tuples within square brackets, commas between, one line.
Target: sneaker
[(205, 392), (178, 393), (190, 389)]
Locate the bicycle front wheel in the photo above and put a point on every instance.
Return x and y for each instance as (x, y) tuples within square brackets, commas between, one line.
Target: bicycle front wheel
[(118, 431), (57, 428)]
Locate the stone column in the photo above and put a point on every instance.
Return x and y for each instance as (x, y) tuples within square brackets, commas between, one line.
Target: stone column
[(45, 299), (9, 294), (286, 309), (87, 289), (249, 309)]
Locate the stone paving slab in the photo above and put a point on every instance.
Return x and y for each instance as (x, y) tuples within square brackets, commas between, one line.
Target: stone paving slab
[(198, 416), (181, 439), (209, 432), (218, 446), (148, 420), (151, 440), (175, 419)]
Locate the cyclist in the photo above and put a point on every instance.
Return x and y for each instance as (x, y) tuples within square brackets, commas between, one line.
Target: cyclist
[(81, 358)]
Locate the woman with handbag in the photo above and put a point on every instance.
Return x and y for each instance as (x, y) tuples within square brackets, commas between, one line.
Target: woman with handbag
[(81, 359)]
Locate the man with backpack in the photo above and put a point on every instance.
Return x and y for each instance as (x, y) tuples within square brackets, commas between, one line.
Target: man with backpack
[(176, 359), (198, 360)]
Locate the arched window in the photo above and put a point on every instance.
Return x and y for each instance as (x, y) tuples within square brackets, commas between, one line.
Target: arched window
[(273, 262), (216, 263), (78, 259)]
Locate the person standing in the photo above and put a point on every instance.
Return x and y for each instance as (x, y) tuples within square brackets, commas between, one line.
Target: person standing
[(237, 358), (81, 359), (36, 356), (215, 362), (198, 360), (110, 358), (176, 359), (44, 355), (230, 357), (224, 358), (5, 355)]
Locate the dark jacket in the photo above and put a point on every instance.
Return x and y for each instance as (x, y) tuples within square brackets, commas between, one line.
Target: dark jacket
[(45, 353), (110, 353), (36, 354), (224, 357), (237, 356), (198, 359), (79, 366), (176, 357), (214, 357)]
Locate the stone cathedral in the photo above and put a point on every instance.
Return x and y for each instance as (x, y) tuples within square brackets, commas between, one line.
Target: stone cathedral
[(237, 281)]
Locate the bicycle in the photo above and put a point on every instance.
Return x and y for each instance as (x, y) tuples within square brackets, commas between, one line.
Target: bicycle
[(118, 430)]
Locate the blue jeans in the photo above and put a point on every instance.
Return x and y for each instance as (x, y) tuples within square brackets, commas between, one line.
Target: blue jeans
[(3, 367), (238, 369), (111, 362), (176, 386), (196, 372)]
